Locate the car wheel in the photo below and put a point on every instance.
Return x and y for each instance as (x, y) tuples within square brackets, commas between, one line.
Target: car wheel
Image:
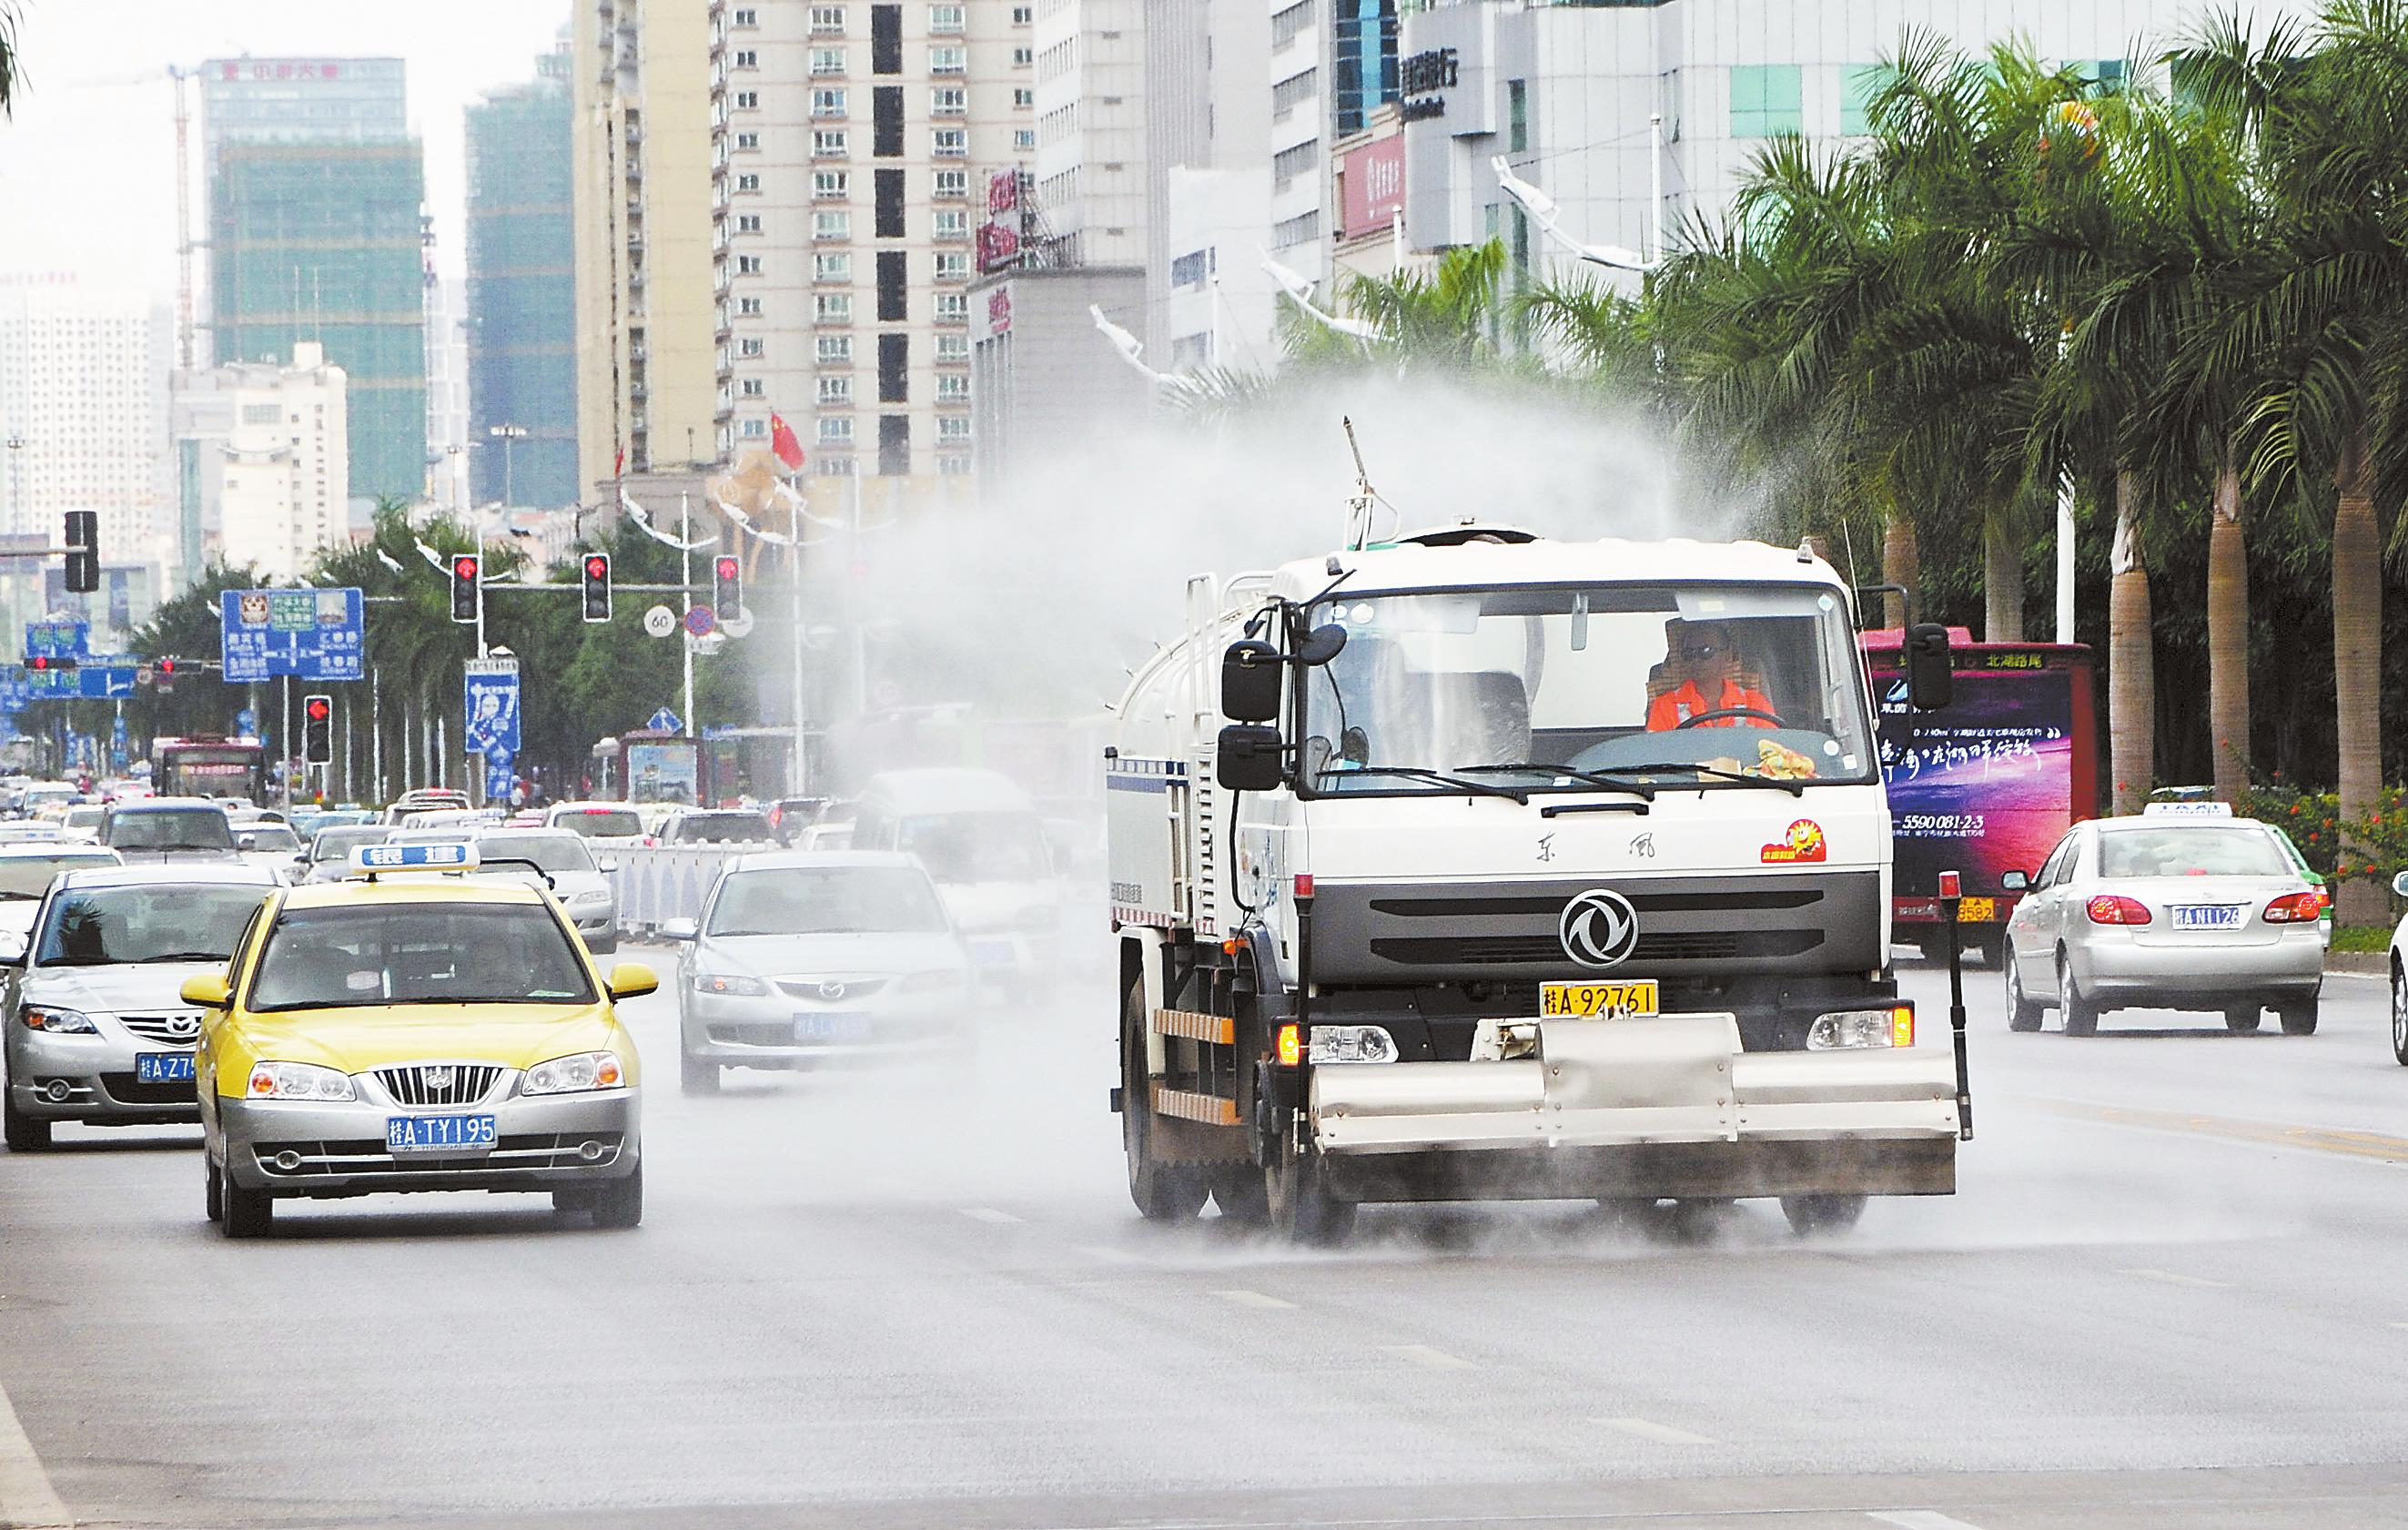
[(620, 1203), (2399, 1015), (696, 1076), (248, 1213), (2299, 1019), (21, 1132), (2242, 1019), (1812, 1215), (1163, 1191), (2023, 1014), (213, 1198), (2081, 1014)]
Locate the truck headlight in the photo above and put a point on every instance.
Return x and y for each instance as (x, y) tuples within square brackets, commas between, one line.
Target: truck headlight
[(575, 1074), (299, 1082), (1352, 1044), (1843, 1030), (729, 985), (55, 1022)]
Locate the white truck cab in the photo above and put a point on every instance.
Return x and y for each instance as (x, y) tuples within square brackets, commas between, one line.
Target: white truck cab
[(1478, 865)]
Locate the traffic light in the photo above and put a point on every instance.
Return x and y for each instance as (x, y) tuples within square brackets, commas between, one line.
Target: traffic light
[(318, 730), (43, 664), (597, 587), (727, 578), (466, 569), (163, 675), (84, 551)]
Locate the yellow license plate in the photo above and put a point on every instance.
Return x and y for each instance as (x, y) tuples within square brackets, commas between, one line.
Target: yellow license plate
[(1976, 910), (1599, 1001)]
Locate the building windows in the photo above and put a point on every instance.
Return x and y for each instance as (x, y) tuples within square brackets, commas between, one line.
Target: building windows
[(827, 20), (1294, 91), (833, 266), (753, 388), (1023, 15), (832, 308), (831, 225), (1021, 56), (1021, 96), (887, 204), (756, 428), (833, 143), (1024, 140), (831, 185), (952, 388), (1288, 163), (893, 368), (748, 266), (1189, 270), (893, 282), (748, 308), (953, 347), (747, 183), (952, 266), (835, 467), (949, 143), (952, 427), (953, 467), (750, 349), (1363, 61), (747, 100), (747, 58), (886, 127), (952, 307), (748, 223), (745, 17), (949, 101), (945, 20), (826, 101), (1289, 23), (827, 61), (952, 223), (837, 389), (948, 58), (1766, 99), (953, 183), (893, 444), (886, 39), (1859, 84), (1517, 116), (836, 350), (837, 430), (747, 140), (1303, 228)]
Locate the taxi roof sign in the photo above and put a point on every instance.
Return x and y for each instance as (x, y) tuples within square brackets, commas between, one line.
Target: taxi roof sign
[(2187, 809), (449, 855)]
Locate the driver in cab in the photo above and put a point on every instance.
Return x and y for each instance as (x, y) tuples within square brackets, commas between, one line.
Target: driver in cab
[(1702, 677)]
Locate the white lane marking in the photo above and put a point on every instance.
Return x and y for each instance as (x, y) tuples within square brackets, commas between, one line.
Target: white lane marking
[(1252, 1299), (1422, 1355), (2170, 1278), (988, 1213), (1662, 1434), (1922, 1519), (27, 1500)]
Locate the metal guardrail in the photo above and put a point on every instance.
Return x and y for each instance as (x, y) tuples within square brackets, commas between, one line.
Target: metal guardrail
[(657, 882)]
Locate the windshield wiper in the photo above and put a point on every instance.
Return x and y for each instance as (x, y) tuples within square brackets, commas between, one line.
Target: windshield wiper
[(185, 956), (21, 898), (1796, 789), (1421, 774), (1612, 783)]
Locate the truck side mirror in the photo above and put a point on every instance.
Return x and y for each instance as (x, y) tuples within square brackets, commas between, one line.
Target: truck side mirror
[(1931, 672), (1321, 645), (1251, 757), (2015, 882), (1249, 681)]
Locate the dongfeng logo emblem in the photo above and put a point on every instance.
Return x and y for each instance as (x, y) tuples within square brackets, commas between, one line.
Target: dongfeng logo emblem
[(1599, 928)]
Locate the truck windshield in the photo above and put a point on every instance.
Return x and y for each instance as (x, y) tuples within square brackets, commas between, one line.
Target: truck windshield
[(1689, 684)]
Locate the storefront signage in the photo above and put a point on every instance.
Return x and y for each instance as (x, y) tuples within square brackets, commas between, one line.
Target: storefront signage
[(1420, 78)]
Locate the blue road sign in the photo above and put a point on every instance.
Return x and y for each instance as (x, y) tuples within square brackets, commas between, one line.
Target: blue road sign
[(246, 723), (58, 639), (106, 677), (663, 721), (498, 776), (15, 690), (492, 696), (311, 635)]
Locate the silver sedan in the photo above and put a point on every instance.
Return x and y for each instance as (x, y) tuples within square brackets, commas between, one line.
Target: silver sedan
[(2151, 912)]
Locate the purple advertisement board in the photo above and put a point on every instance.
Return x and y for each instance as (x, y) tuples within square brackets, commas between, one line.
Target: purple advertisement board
[(1985, 785)]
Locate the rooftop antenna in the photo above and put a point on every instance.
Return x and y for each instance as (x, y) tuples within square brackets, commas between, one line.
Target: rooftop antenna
[(1365, 499)]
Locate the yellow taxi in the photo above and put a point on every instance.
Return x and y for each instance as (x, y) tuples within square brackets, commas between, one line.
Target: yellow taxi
[(412, 1029)]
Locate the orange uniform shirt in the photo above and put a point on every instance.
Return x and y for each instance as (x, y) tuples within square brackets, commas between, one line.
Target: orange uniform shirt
[(1686, 701)]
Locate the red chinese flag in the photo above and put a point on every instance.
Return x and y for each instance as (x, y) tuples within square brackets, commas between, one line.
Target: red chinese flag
[(783, 442)]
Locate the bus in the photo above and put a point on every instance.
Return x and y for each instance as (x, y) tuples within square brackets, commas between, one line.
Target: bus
[(209, 767)]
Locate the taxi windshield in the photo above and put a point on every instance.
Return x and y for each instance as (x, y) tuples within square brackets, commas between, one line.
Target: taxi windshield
[(418, 954), (114, 926), (2191, 853), (1482, 689)]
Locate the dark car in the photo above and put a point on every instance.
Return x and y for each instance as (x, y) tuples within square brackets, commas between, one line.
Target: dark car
[(790, 816), (717, 826), (155, 828)]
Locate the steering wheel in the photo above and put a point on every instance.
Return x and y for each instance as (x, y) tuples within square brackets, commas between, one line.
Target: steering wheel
[(1728, 712)]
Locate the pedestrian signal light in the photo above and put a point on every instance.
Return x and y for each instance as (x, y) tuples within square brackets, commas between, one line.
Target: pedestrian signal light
[(465, 570), (318, 729), (727, 594), (597, 586)]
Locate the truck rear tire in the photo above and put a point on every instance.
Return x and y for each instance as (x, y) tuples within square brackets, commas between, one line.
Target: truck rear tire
[(1163, 1191), (1242, 1193), (1811, 1216)]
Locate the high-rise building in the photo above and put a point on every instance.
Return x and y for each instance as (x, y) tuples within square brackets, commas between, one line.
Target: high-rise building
[(447, 393), (640, 78), (83, 409), (262, 457), (853, 148), (315, 194), (522, 316), (1210, 112)]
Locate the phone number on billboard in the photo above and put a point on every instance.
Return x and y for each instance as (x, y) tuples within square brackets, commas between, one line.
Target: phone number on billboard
[(1937, 825)]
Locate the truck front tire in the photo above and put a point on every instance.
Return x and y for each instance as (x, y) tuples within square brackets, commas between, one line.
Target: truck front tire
[(1296, 1190), (1163, 1191)]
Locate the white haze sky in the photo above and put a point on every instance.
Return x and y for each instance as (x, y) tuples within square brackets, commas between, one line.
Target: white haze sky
[(87, 163)]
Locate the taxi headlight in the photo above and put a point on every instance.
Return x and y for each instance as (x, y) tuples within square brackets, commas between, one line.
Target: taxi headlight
[(1352, 1044), (729, 985), (588, 899), (55, 1022), (299, 1082), (575, 1074), (1843, 1030)]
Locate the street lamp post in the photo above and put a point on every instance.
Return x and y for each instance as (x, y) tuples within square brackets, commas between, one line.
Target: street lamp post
[(505, 434)]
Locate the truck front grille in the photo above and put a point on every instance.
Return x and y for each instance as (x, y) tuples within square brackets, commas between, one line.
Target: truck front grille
[(1518, 950)]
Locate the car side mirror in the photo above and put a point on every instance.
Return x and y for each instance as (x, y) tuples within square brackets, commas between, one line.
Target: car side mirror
[(1251, 757), (631, 981), (1249, 681), (1931, 672), (13, 949), (208, 991), (246, 841), (2015, 882), (2400, 884), (607, 862), (678, 929)]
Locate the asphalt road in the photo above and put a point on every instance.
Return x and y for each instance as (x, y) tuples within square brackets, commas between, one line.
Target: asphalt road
[(2169, 1294)]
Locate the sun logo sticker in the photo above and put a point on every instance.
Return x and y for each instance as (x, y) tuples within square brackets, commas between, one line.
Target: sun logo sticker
[(1803, 842)]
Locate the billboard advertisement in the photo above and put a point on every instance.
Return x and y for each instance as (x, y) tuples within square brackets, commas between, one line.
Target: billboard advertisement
[(1372, 186)]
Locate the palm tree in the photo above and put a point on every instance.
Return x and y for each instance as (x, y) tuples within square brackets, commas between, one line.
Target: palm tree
[(11, 71)]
